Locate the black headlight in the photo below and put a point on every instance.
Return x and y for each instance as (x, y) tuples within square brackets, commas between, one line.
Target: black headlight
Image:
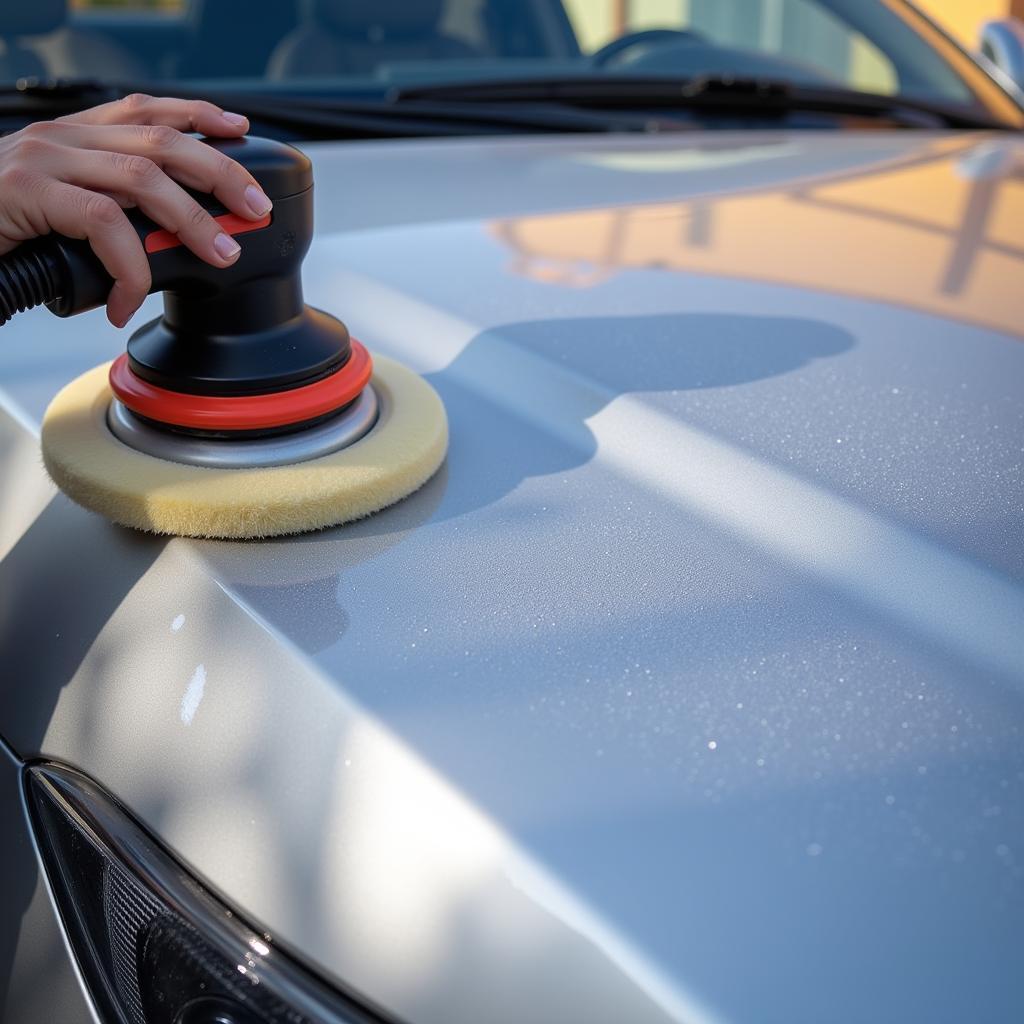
[(153, 945)]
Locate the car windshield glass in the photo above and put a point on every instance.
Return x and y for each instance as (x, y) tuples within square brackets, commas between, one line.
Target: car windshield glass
[(370, 48)]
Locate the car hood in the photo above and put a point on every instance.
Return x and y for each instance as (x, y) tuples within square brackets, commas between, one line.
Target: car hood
[(690, 689)]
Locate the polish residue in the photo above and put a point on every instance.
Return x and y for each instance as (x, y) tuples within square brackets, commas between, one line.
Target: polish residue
[(193, 695)]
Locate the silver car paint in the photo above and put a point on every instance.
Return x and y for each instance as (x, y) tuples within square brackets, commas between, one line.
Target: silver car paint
[(689, 690)]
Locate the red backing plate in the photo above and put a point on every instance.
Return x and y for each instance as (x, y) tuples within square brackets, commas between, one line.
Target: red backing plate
[(243, 412)]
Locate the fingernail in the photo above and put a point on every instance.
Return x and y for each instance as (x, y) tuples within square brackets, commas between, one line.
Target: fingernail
[(129, 316), (227, 248), (235, 120), (257, 200)]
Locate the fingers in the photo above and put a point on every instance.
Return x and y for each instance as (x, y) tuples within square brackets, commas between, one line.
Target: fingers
[(189, 161), (160, 198), (86, 166), (185, 115), (79, 213)]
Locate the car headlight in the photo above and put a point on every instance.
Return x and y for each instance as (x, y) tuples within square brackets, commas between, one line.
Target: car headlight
[(153, 945)]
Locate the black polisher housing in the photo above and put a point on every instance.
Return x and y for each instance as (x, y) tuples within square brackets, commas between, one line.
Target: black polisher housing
[(242, 330)]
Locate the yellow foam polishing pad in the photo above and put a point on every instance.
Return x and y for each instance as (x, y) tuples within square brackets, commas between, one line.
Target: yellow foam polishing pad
[(399, 454)]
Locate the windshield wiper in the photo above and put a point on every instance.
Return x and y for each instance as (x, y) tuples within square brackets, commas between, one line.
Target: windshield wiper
[(390, 117), (578, 103), (705, 94), (319, 117)]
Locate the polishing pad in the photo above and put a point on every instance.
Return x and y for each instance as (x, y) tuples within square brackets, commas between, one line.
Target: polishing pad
[(399, 454)]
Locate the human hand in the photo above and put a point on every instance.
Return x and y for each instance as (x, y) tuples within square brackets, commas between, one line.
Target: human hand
[(75, 176)]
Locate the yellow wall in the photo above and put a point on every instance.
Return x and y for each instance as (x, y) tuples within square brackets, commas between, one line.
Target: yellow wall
[(963, 18), (594, 19)]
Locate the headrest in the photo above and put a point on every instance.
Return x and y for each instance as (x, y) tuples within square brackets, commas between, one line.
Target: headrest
[(378, 19), (34, 18)]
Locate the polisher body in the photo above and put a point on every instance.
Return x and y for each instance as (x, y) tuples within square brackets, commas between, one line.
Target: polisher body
[(242, 329)]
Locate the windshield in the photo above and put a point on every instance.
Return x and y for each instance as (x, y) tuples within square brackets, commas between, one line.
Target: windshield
[(368, 48)]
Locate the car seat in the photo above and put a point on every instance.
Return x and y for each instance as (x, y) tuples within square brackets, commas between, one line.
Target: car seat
[(253, 39), (339, 37), (529, 31), (38, 41)]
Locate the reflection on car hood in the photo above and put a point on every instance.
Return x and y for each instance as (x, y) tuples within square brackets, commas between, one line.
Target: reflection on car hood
[(691, 688)]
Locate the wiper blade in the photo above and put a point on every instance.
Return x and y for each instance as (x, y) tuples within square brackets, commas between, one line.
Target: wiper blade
[(318, 117), (391, 116), (703, 94)]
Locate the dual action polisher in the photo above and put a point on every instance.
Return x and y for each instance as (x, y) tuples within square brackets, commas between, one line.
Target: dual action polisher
[(241, 412)]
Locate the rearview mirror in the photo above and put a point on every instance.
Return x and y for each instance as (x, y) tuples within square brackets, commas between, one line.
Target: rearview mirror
[(1002, 43)]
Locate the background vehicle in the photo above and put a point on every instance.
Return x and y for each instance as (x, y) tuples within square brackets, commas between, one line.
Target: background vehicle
[(690, 689)]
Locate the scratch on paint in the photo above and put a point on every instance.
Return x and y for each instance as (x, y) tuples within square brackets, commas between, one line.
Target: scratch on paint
[(193, 695)]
